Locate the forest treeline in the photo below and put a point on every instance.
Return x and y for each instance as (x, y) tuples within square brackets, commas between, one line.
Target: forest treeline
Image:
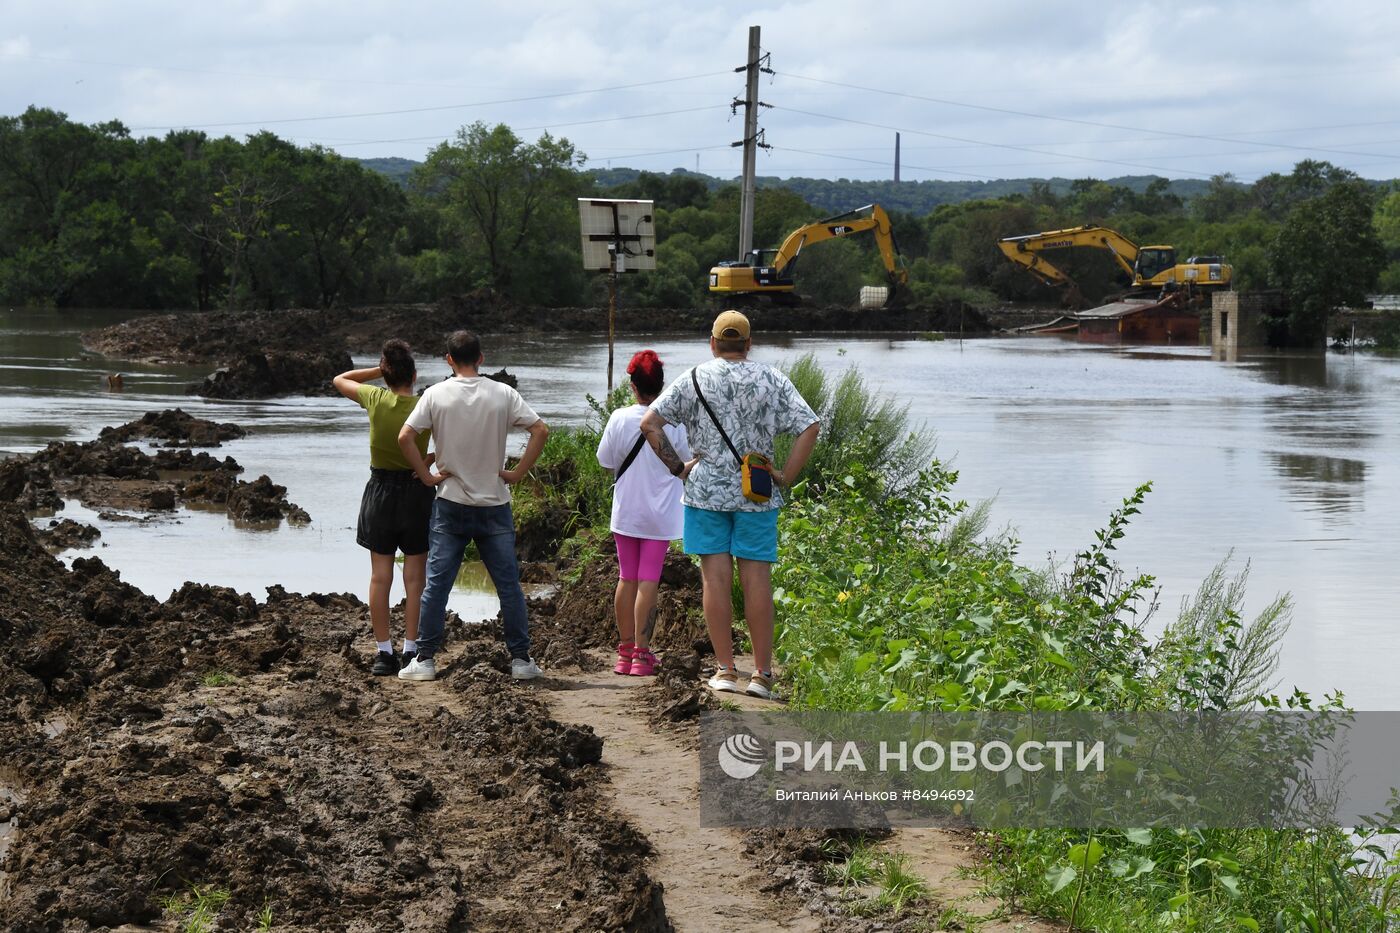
[(96, 217)]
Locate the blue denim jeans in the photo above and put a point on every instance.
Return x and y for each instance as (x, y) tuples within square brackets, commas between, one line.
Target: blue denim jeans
[(454, 526)]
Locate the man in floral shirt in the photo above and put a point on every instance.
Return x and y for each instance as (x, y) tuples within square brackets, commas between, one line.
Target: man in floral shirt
[(754, 403)]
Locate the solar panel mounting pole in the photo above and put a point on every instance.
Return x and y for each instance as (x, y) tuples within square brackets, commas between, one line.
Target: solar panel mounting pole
[(618, 251)]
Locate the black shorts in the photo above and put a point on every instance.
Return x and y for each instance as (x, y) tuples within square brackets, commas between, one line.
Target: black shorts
[(394, 513)]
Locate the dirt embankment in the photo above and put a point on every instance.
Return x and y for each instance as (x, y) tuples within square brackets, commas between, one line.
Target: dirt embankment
[(242, 748), (174, 427), (229, 337), (265, 374), (108, 475)]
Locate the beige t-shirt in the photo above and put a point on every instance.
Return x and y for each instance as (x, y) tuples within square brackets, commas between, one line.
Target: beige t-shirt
[(470, 417)]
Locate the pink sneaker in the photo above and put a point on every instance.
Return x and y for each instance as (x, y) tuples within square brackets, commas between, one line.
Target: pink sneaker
[(624, 658), (643, 664)]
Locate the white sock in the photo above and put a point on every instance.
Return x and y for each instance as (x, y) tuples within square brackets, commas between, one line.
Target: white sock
[(409, 645), (386, 646)]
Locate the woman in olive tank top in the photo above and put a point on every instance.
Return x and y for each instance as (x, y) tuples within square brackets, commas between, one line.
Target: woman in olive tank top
[(395, 508)]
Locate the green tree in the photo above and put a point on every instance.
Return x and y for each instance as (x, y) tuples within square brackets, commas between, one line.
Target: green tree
[(1326, 255), (342, 214), (503, 201)]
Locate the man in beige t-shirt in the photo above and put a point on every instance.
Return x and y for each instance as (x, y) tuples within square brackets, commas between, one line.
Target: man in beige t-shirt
[(471, 416)]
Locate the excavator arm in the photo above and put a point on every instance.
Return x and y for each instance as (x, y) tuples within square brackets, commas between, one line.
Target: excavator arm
[(869, 217), (1026, 250)]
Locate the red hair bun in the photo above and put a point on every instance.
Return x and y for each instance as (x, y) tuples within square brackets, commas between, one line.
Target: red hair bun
[(646, 372)]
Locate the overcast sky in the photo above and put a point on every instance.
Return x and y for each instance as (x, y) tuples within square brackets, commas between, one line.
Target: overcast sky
[(1176, 88)]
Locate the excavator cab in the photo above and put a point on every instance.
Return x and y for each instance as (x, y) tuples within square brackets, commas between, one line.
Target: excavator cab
[(1152, 261)]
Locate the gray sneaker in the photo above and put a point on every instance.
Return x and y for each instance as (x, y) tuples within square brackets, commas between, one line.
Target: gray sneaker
[(523, 669), (419, 669)]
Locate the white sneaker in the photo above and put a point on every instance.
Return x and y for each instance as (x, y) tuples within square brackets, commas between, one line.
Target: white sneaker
[(525, 669), (725, 680), (419, 669)]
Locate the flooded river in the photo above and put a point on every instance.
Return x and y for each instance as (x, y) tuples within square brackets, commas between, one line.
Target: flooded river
[(1291, 462)]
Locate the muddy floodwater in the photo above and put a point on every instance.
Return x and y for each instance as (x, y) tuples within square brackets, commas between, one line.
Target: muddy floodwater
[(1291, 462)]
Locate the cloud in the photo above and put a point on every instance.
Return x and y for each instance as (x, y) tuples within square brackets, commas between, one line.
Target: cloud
[(1149, 84)]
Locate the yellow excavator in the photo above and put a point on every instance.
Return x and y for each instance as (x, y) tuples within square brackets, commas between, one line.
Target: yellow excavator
[(773, 278), (1151, 267)]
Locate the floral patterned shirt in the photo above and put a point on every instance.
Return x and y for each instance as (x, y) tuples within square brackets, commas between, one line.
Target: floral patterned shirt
[(755, 403)]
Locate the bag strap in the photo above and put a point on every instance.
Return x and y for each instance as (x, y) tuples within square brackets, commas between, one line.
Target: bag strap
[(636, 449), (695, 381)]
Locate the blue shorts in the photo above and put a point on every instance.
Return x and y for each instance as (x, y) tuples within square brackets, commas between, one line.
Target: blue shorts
[(750, 535)]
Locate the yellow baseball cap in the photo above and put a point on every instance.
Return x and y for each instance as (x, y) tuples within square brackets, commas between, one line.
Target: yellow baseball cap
[(730, 325)]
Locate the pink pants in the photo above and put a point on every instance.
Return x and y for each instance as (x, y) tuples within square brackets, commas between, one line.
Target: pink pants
[(639, 558)]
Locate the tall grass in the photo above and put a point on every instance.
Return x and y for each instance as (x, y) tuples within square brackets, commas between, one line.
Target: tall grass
[(856, 425), (890, 597)]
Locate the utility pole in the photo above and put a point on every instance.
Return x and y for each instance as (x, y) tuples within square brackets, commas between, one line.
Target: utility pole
[(752, 140), (896, 158)]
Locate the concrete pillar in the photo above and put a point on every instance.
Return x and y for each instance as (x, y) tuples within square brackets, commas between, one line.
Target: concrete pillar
[(1237, 322)]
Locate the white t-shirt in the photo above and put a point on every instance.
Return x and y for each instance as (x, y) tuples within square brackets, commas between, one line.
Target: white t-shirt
[(647, 499), (470, 417)]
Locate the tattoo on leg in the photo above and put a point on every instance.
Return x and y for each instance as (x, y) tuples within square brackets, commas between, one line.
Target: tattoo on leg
[(650, 624)]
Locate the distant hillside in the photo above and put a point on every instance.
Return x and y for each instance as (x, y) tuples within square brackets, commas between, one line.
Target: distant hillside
[(394, 167), (921, 197), (917, 197)]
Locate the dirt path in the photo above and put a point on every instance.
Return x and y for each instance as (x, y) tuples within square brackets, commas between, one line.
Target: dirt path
[(702, 870), (705, 876), (941, 857)]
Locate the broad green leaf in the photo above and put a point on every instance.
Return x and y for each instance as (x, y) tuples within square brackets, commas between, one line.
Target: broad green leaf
[(1144, 866), (1086, 855), (1060, 877)]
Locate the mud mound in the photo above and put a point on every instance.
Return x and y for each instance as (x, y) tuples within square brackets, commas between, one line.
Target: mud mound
[(216, 336), (66, 534), (678, 695), (187, 460), (106, 475), (275, 372), (28, 485), (215, 742), (585, 604), (176, 427), (261, 500), (96, 458)]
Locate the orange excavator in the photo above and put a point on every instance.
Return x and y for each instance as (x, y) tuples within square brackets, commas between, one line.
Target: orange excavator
[(758, 275)]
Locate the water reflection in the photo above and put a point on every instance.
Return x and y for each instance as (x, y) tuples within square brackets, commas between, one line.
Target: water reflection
[(1307, 370), (1326, 484)]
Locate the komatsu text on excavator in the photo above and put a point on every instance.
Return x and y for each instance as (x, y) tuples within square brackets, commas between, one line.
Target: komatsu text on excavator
[(1151, 267), (774, 278)]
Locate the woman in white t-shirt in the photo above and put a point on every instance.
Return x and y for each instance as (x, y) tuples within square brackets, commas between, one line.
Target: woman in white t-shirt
[(646, 514)]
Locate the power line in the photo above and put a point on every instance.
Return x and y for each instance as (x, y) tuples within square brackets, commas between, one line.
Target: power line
[(389, 113), (641, 155), (543, 126), (1074, 120), (243, 74), (963, 139)]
